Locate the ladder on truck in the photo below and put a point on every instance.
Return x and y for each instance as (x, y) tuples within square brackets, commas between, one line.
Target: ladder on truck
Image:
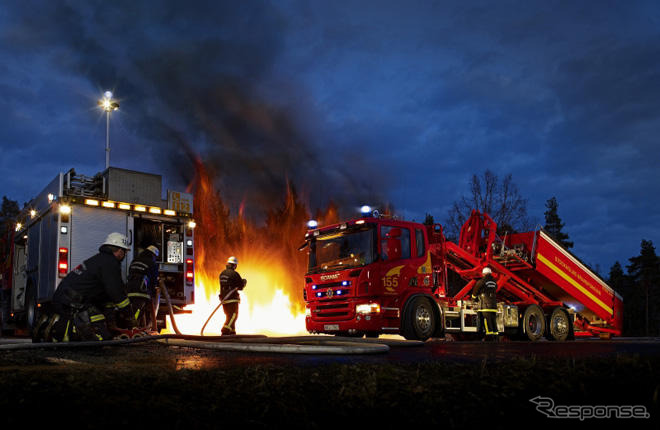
[(477, 249)]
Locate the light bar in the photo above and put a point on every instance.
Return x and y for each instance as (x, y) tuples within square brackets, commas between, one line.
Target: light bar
[(108, 204), (154, 210), (169, 212), (124, 206), (140, 208), (91, 202), (365, 210), (312, 223)]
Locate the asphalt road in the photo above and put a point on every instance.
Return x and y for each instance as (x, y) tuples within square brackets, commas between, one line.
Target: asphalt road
[(438, 350), (435, 384)]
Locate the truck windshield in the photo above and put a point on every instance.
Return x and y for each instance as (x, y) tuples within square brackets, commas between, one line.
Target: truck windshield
[(353, 247)]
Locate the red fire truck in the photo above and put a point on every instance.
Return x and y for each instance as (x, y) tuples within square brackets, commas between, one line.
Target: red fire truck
[(375, 275)]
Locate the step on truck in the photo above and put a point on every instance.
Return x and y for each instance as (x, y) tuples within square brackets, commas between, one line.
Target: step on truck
[(66, 223), (377, 275)]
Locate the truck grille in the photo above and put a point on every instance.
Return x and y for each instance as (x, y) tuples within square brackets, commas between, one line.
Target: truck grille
[(333, 310)]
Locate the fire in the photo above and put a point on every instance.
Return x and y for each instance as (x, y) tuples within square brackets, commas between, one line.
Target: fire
[(272, 302)]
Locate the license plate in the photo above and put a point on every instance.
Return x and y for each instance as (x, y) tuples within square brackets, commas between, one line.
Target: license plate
[(331, 327)]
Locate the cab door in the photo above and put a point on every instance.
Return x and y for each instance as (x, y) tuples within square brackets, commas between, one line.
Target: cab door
[(394, 250)]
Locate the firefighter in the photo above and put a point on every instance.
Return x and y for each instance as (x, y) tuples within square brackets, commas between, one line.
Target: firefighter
[(230, 283), (485, 290), (76, 310), (142, 286)]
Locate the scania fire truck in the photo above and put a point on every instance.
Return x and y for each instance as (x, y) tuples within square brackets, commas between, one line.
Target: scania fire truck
[(375, 275), (66, 223)]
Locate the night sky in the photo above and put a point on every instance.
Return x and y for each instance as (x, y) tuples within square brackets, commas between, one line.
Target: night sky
[(355, 101)]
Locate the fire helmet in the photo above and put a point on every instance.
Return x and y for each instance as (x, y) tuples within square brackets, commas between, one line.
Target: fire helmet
[(118, 240), (232, 260), (153, 249), (486, 271)]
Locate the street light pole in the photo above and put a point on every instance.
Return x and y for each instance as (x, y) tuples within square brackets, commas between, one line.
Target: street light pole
[(108, 105)]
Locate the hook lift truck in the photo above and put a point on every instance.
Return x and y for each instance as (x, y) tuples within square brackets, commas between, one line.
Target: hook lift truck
[(376, 275)]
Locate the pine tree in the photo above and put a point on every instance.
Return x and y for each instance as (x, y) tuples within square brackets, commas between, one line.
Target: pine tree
[(429, 220), (622, 285), (553, 224), (644, 271)]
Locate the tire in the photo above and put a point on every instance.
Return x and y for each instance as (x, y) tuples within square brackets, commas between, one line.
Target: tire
[(419, 319), (372, 335), (31, 314), (533, 323), (559, 325)]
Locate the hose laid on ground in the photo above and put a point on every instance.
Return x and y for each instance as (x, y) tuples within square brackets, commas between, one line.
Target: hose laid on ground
[(215, 310), (340, 348), (244, 343)]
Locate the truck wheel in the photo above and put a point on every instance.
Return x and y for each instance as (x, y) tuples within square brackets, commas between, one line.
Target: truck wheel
[(533, 323), (30, 307), (559, 325), (419, 320)]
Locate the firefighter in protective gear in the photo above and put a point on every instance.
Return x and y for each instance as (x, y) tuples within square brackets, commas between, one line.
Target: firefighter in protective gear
[(230, 284), (142, 286), (485, 289), (76, 310)]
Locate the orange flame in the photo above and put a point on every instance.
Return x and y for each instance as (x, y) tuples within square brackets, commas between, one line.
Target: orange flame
[(272, 302)]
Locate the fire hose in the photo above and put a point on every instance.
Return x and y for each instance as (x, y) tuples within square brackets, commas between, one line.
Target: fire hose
[(216, 309), (243, 343)]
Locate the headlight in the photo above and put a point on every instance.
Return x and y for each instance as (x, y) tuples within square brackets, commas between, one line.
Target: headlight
[(368, 308), (308, 312)]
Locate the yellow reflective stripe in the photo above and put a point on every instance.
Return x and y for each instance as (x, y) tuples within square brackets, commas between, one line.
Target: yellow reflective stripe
[(137, 314), (141, 295), (233, 317), (574, 283), (97, 318), (487, 310), (123, 303), (66, 332), (487, 329), (230, 301)]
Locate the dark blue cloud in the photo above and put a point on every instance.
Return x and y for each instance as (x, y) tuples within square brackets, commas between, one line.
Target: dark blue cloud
[(392, 100)]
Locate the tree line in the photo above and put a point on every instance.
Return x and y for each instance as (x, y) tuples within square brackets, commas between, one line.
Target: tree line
[(638, 283)]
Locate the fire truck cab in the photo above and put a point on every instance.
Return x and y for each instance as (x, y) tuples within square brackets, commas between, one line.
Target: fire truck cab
[(67, 222)]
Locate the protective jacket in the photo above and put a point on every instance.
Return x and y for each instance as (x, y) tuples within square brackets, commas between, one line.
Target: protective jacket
[(485, 289), (94, 282), (230, 280), (142, 276)]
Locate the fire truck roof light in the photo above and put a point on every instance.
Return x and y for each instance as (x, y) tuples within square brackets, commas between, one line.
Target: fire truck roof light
[(154, 210), (91, 202), (124, 206), (65, 209), (312, 223), (169, 212), (365, 210), (140, 208), (360, 221), (108, 204)]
